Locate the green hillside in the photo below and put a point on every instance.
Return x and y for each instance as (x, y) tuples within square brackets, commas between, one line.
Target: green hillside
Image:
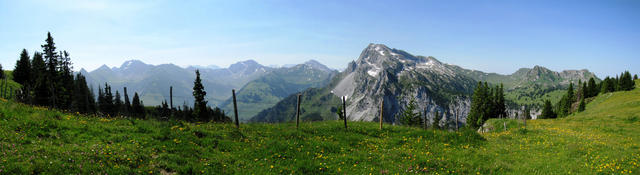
[(604, 139)]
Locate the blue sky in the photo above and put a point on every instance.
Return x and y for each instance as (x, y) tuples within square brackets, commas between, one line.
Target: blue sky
[(492, 36)]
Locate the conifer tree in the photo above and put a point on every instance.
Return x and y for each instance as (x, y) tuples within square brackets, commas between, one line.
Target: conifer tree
[(581, 106), (200, 104), (101, 102), (547, 110), (117, 104), (500, 102), (51, 74), (626, 82), (66, 81), (480, 106), (592, 88), (137, 107), (22, 71), (1, 72), (127, 104), (39, 80), (81, 97), (91, 101), (108, 100), (585, 90), (635, 77), (409, 116)]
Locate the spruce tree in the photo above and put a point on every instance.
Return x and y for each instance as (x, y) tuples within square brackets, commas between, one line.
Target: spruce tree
[(409, 116), (117, 104), (480, 102), (66, 81), (101, 102), (137, 107), (91, 101), (500, 102), (51, 74), (585, 91), (593, 88), (581, 106), (39, 80), (626, 82), (547, 110), (127, 104), (80, 102), (604, 85), (108, 101), (22, 71), (1, 72), (200, 104), (635, 77)]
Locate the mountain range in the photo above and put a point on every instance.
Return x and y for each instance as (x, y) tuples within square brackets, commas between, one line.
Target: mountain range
[(152, 82), (399, 77)]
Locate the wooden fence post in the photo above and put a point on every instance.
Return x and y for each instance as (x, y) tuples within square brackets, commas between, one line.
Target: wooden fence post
[(235, 108), (344, 111), (381, 111), (298, 112)]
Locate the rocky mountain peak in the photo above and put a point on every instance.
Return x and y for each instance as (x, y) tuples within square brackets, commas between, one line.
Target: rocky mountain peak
[(317, 65), (247, 67)]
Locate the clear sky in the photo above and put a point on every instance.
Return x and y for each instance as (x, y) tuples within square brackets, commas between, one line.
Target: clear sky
[(492, 36)]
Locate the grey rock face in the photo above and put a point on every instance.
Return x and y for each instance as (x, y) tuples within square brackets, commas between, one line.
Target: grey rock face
[(397, 77)]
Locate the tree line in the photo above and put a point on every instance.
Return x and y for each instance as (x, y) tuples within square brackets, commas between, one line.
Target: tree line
[(572, 102), (48, 80)]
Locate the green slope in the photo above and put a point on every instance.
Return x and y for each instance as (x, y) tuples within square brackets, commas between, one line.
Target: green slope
[(604, 139), (268, 90)]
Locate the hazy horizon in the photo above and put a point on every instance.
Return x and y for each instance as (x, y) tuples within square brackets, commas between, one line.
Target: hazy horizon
[(497, 36)]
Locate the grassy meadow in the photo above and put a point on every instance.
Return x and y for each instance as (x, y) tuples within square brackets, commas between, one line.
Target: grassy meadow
[(604, 139)]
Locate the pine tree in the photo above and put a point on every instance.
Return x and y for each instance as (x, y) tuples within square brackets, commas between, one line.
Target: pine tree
[(547, 110), (137, 107), (604, 85), (91, 101), (200, 104), (101, 102), (1, 72), (570, 95), (81, 97), (593, 88), (585, 91), (626, 82), (39, 80), (117, 104), (66, 80), (127, 104), (500, 102), (635, 77), (22, 71), (581, 106), (108, 100), (479, 106), (51, 74), (22, 75), (409, 116)]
